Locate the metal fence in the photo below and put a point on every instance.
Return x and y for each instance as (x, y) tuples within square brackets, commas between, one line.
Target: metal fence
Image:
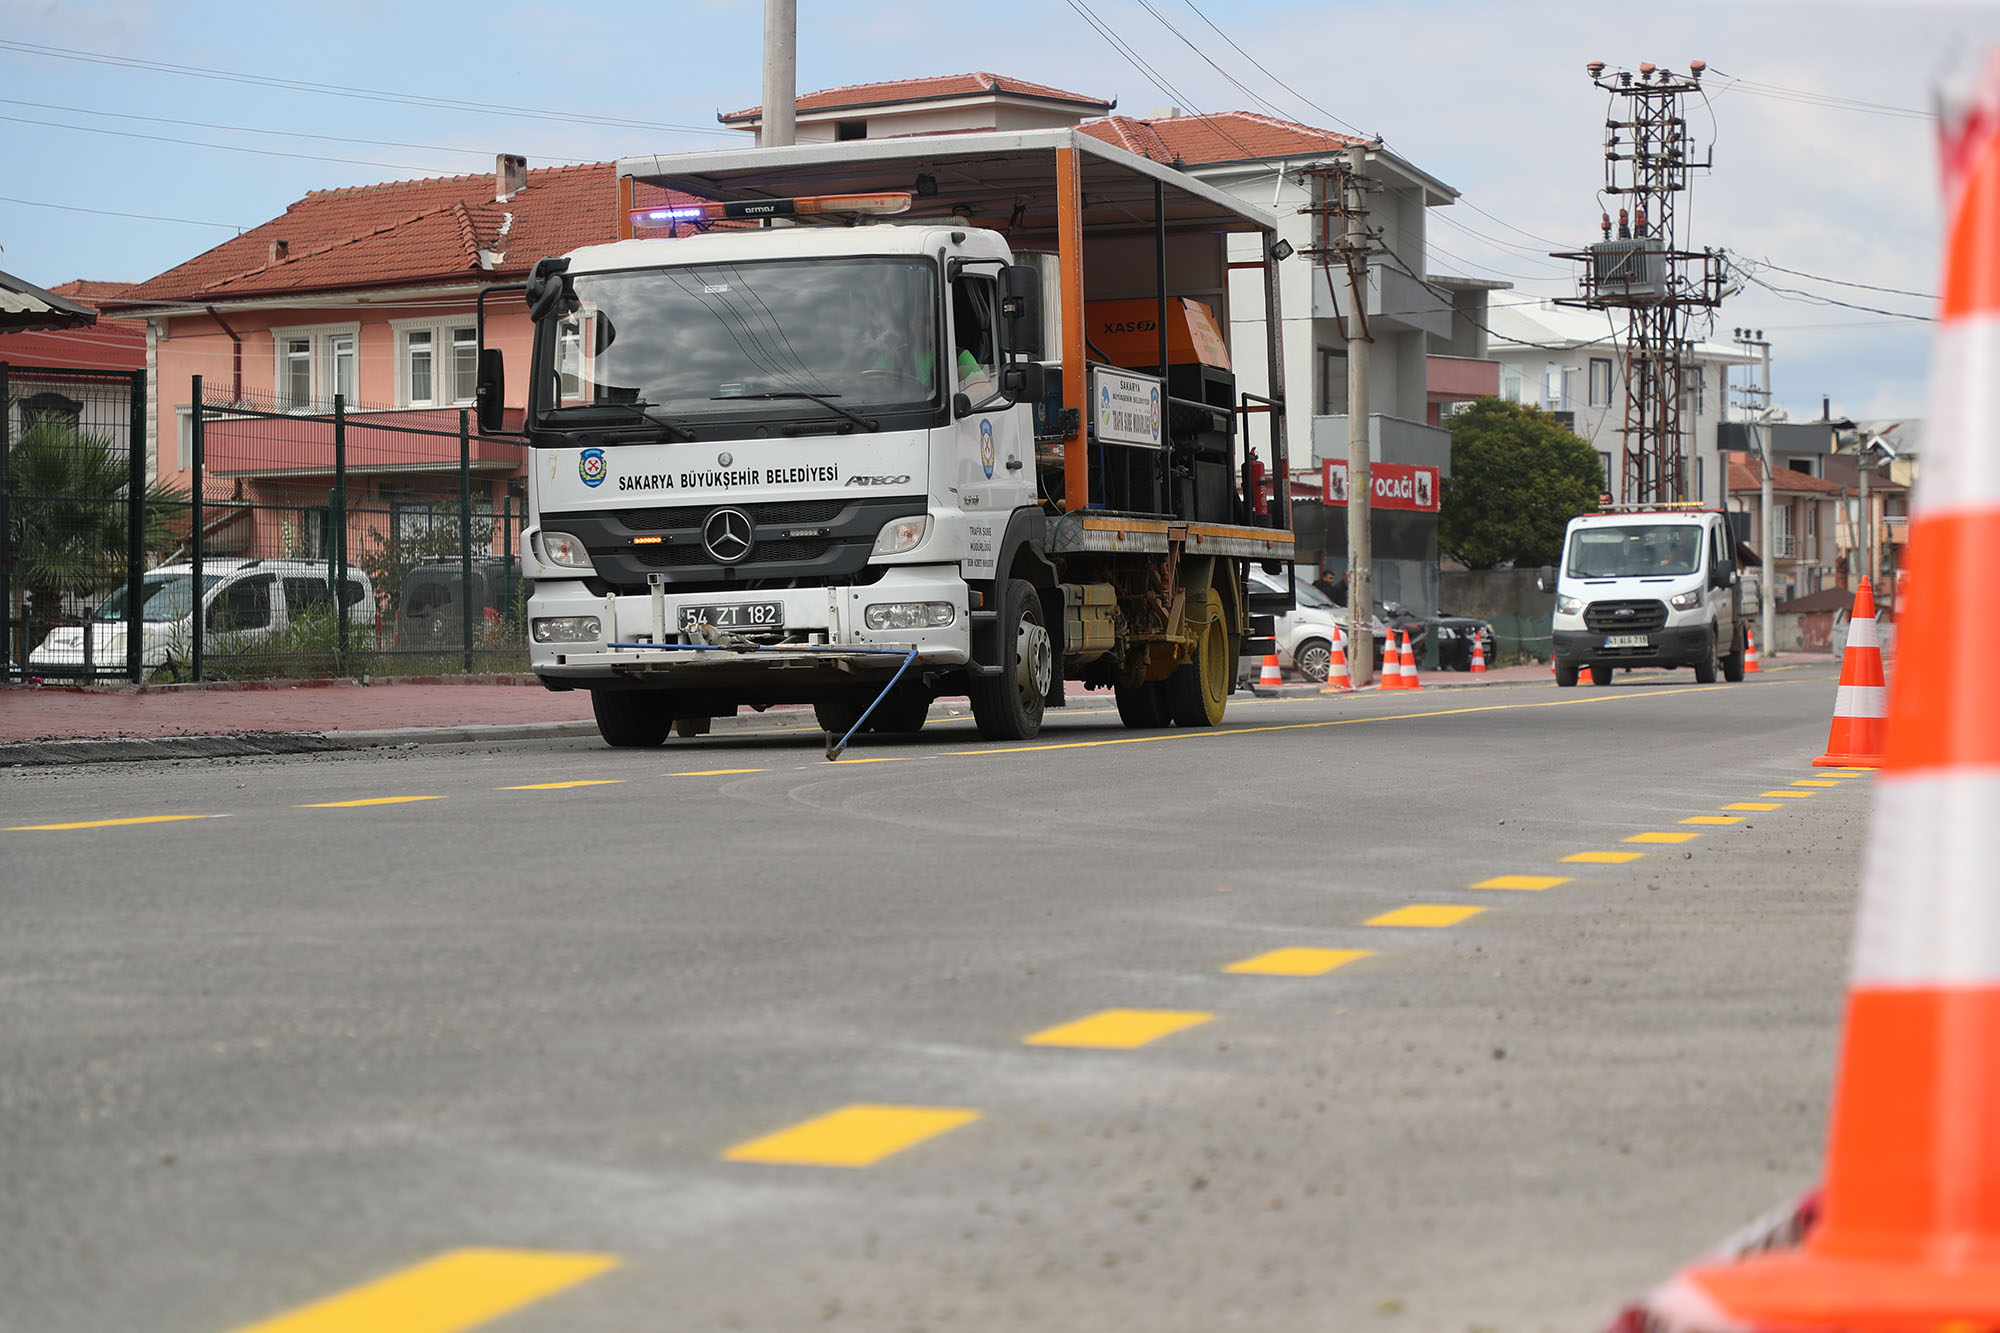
[(78, 518), (273, 542)]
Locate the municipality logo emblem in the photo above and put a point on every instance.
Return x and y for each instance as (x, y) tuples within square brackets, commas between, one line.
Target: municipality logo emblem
[(986, 446), (590, 465)]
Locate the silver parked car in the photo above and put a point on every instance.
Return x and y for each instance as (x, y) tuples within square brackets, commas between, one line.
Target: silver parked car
[(1307, 632)]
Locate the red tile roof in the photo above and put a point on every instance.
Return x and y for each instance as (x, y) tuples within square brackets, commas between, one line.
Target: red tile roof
[(1224, 136), (401, 233), (858, 95), (93, 294), (1744, 475)]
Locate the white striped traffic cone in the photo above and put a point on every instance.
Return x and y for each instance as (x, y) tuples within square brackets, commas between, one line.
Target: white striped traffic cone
[(1910, 1237), (1478, 656), (1410, 681), (1270, 677), (1855, 739), (1392, 663), (1750, 667), (1338, 679)]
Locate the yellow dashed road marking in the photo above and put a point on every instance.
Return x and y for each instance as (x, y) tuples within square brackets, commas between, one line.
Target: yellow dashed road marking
[(715, 772), (1753, 805), (455, 1291), (1788, 794), (554, 786), (1603, 858), (372, 800), (1425, 914), (858, 1135), (1532, 882), (1662, 837), (1713, 819), (1118, 1029), (1297, 962), (883, 759), (107, 823), (1813, 782)]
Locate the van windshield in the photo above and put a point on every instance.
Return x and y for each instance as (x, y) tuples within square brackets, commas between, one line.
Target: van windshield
[(1637, 550), (164, 598)]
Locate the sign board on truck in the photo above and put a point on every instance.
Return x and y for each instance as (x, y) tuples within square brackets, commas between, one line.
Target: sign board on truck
[(1396, 486), (1127, 408)]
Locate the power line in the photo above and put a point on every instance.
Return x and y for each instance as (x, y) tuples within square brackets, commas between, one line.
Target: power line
[(1808, 98), (1813, 298), (108, 213), (1160, 80), (225, 147), (1840, 282), (1233, 80), (1273, 77)]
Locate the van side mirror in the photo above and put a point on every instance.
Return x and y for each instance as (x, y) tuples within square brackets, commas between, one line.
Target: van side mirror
[(1545, 579), (1021, 310), (489, 393), (1024, 381)]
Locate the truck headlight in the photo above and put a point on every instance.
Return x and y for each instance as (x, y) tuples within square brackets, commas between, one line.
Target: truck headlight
[(1685, 601), (901, 534), (565, 629), (909, 615), (564, 552), (1568, 606)]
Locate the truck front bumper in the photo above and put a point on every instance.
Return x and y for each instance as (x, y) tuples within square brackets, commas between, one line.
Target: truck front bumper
[(1673, 646)]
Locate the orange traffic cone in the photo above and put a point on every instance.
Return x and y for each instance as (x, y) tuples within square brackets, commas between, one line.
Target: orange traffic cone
[(1270, 677), (1410, 681), (1392, 664), (1750, 667), (1910, 1237), (1855, 740), (1478, 656), (1338, 681)]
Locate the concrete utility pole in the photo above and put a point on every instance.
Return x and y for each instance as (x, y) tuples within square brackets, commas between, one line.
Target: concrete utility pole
[(1360, 472), (1761, 418), (781, 74)]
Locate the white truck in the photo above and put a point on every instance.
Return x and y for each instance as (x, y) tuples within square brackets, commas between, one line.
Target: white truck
[(1645, 586), (853, 435)]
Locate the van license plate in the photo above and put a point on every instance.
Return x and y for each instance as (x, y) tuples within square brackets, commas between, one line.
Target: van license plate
[(737, 615), (1625, 641)]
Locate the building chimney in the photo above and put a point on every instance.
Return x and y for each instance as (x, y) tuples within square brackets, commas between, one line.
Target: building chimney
[(280, 250), (510, 176)]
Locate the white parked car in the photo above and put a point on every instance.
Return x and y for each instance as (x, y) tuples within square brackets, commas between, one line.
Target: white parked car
[(1306, 633)]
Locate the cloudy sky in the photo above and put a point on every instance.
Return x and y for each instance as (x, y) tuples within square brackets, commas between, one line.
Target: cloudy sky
[(137, 133)]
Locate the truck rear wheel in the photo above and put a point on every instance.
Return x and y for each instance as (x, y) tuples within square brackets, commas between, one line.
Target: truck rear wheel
[(1198, 691), (632, 719), (1141, 707), (1008, 707)]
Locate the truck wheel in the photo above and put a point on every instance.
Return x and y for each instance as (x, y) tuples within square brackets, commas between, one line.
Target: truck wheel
[(1566, 673), (1008, 707), (904, 712), (632, 719), (1141, 707), (1600, 674), (837, 716), (1732, 665), (1313, 658), (1198, 691)]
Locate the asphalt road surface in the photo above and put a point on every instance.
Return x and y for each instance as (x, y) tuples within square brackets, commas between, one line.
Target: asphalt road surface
[(1467, 1010)]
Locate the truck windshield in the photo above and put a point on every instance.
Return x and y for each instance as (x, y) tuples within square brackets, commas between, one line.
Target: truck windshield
[(1638, 550), (164, 598), (814, 338)]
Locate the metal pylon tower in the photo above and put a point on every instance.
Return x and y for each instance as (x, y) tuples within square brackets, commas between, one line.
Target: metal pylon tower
[(1643, 269)]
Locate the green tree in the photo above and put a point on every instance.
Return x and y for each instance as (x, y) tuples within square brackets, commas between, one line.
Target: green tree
[(1517, 478)]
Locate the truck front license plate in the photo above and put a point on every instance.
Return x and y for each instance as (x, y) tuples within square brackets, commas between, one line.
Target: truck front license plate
[(1625, 641), (737, 615)]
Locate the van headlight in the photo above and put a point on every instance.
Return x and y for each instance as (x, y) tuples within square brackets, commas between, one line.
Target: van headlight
[(1685, 601), (563, 551), (909, 615), (901, 534), (1568, 606)]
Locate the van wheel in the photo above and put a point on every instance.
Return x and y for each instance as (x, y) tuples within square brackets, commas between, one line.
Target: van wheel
[(1705, 672), (1141, 707), (1732, 665), (632, 719), (1198, 690), (1600, 674), (1008, 707), (1566, 674)]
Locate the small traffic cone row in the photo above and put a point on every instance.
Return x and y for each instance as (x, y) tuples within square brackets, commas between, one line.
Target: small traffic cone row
[(1410, 681), (1859, 706), (1909, 1240), (1270, 677), (1338, 679), (1750, 667)]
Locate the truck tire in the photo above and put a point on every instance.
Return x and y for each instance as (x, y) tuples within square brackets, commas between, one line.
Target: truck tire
[(837, 716), (1600, 673), (1565, 673), (1141, 707), (1313, 658), (1198, 691), (1733, 664), (1008, 707), (632, 719), (903, 712)]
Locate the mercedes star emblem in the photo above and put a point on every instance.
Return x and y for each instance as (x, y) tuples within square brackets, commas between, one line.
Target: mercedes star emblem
[(725, 459), (727, 535)]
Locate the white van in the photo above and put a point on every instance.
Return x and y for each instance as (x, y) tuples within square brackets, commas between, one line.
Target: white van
[(243, 602), (1647, 588)]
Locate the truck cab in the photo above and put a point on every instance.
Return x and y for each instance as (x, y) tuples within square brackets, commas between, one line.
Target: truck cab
[(1647, 587)]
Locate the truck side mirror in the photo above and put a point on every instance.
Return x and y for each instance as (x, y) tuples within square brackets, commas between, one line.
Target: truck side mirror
[(1021, 310), (547, 287), (1024, 381), (1545, 579), (489, 394)]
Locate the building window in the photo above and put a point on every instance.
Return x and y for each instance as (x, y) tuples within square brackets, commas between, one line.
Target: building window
[(297, 380), (420, 361), (1800, 465), (850, 129), (314, 364), (1600, 381), (1694, 390), (1332, 382), (437, 363), (1510, 383), (1604, 459), (344, 370), (1700, 481), (464, 364)]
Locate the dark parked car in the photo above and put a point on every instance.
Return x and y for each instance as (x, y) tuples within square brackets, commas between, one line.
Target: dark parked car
[(428, 610), (1455, 637)]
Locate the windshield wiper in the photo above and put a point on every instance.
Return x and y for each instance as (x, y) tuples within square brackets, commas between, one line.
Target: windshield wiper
[(674, 430), (823, 399)]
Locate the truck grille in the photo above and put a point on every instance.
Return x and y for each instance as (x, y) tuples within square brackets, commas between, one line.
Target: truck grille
[(689, 518), (789, 550), (1635, 617)]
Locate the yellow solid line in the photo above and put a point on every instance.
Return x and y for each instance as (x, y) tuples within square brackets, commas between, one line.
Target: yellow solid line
[(1531, 882), (1813, 782), (1662, 837), (1789, 794), (1604, 858), (373, 800), (457, 1290), (1712, 819), (858, 1135), (1425, 914), (715, 772), (885, 759), (106, 823), (1297, 962), (553, 786), (1118, 1029), (1753, 805)]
